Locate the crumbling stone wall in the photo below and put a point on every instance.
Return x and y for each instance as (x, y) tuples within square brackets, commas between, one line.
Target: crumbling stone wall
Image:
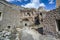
[(13, 15), (57, 3), (50, 21), (10, 17)]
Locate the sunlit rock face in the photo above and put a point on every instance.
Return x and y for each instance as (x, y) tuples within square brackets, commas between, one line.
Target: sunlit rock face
[(27, 37), (26, 34), (30, 34), (19, 28), (57, 3)]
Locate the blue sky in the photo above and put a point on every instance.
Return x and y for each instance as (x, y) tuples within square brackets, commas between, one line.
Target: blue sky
[(48, 4)]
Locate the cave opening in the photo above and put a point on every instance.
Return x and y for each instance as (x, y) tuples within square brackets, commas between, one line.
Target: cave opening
[(25, 24), (58, 24), (37, 22), (9, 27), (40, 30)]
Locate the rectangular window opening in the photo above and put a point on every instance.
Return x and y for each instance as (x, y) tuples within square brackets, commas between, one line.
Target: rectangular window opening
[(0, 14), (28, 14), (58, 24)]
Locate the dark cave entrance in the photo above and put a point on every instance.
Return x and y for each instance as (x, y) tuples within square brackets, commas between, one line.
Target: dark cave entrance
[(58, 24), (9, 27), (25, 24), (37, 22), (40, 30)]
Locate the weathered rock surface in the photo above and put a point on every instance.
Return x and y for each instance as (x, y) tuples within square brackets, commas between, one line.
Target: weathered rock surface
[(26, 34)]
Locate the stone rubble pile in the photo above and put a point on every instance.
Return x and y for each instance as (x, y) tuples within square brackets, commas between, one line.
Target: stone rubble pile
[(30, 34), (26, 34), (5, 35)]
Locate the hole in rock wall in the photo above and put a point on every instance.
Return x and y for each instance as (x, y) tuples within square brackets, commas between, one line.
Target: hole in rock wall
[(41, 14), (9, 27), (58, 24), (25, 24), (28, 14), (37, 20), (0, 14), (40, 30)]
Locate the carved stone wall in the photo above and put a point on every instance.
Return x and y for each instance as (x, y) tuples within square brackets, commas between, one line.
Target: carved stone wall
[(50, 21)]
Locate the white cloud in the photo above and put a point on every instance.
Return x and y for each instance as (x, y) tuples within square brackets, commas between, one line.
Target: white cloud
[(51, 1), (13, 0), (34, 4), (42, 4), (9, 0)]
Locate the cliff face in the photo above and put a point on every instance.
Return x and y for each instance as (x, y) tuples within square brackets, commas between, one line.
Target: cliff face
[(25, 24), (13, 15), (50, 21), (57, 3)]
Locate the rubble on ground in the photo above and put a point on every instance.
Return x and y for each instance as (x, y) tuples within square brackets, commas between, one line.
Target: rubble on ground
[(26, 34)]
